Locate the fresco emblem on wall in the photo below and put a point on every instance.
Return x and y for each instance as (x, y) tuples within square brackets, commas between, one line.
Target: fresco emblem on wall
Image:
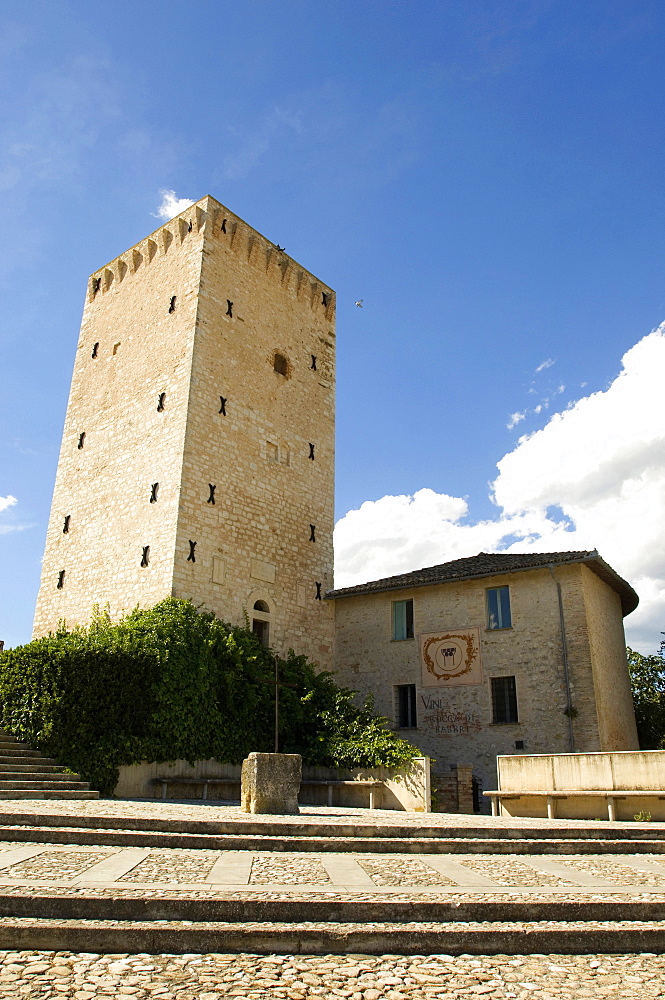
[(451, 657)]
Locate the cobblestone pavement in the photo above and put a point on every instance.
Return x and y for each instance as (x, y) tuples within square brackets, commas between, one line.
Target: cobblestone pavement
[(172, 866), (56, 864), (402, 871), (288, 869), (424, 874), (614, 870), (506, 869), (349, 977)]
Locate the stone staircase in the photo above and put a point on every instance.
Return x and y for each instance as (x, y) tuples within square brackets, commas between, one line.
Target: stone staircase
[(286, 834), (100, 900), (26, 774)]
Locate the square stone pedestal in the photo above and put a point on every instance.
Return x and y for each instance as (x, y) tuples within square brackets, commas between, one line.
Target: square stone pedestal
[(270, 783)]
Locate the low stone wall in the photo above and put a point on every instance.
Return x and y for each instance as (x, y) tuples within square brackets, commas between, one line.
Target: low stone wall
[(633, 771), (407, 789), (136, 780)]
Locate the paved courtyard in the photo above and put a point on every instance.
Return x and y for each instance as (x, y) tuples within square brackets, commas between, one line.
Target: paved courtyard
[(30, 868), (205, 872)]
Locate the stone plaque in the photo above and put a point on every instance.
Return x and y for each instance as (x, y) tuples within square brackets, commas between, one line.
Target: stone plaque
[(217, 570), (451, 657), (261, 570)]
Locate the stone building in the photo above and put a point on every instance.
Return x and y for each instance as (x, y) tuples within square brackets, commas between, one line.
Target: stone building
[(198, 451), (493, 654), (198, 461)]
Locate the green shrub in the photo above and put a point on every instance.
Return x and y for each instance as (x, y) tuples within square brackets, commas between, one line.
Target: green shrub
[(173, 682), (647, 679)]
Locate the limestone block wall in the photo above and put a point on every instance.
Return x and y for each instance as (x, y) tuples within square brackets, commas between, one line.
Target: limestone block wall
[(454, 721), (270, 453), (205, 365), (131, 349), (609, 665)]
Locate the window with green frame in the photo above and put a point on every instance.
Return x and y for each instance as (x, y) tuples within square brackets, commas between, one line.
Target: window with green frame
[(498, 608), (403, 619)]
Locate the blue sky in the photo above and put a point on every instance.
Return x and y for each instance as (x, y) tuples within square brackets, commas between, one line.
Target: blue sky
[(486, 176)]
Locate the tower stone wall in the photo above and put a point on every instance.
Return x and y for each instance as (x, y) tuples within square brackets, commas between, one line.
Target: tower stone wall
[(206, 365)]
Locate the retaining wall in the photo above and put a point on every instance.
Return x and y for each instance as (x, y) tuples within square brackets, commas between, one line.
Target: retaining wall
[(407, 789)]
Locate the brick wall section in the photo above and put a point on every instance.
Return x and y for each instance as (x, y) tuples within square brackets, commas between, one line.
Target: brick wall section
[(455, 722), (253, 543), (444, 792), (465, 788)]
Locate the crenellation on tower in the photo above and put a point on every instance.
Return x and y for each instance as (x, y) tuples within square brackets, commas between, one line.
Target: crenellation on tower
[(184, 392)]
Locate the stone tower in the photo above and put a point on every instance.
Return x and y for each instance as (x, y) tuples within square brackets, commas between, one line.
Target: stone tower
[(198, 451)]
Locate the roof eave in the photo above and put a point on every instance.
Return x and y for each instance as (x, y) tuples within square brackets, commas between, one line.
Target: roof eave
[(629, 599)]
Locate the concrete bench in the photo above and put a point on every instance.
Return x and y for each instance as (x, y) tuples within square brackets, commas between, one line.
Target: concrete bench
[(205, 782), (331, 783), (611, 797)]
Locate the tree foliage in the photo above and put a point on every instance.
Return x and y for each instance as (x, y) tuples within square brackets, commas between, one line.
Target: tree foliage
[(647, 678), (172, 682)]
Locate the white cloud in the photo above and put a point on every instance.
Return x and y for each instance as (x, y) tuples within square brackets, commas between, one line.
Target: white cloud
[(593, 477), (170, 206), (5, 504), (514, 419), (545, 364)]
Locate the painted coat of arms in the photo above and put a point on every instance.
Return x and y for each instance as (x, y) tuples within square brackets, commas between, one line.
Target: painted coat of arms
[(451, 657)]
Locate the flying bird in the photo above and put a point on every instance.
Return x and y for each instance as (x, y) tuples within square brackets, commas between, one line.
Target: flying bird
[(359, 303), (279, 248)]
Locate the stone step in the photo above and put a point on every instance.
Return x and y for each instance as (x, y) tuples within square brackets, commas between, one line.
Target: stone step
[(57, 774), (251, 842), (15, 746), (63, 793), (290, 828), (25, 757), (8, 771), (26, 774), (71, 781), (481, 938), (335, 908)]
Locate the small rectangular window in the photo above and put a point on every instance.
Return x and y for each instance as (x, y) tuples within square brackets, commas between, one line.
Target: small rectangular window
[(498, 608), (261, 630), (406, 706), (504, 700), (403, 619)]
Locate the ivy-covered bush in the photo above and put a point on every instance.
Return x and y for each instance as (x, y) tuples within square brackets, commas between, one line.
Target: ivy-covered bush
[(174, 682)]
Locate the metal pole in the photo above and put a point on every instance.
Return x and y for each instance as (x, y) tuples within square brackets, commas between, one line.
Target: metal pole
[(276, 704)]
